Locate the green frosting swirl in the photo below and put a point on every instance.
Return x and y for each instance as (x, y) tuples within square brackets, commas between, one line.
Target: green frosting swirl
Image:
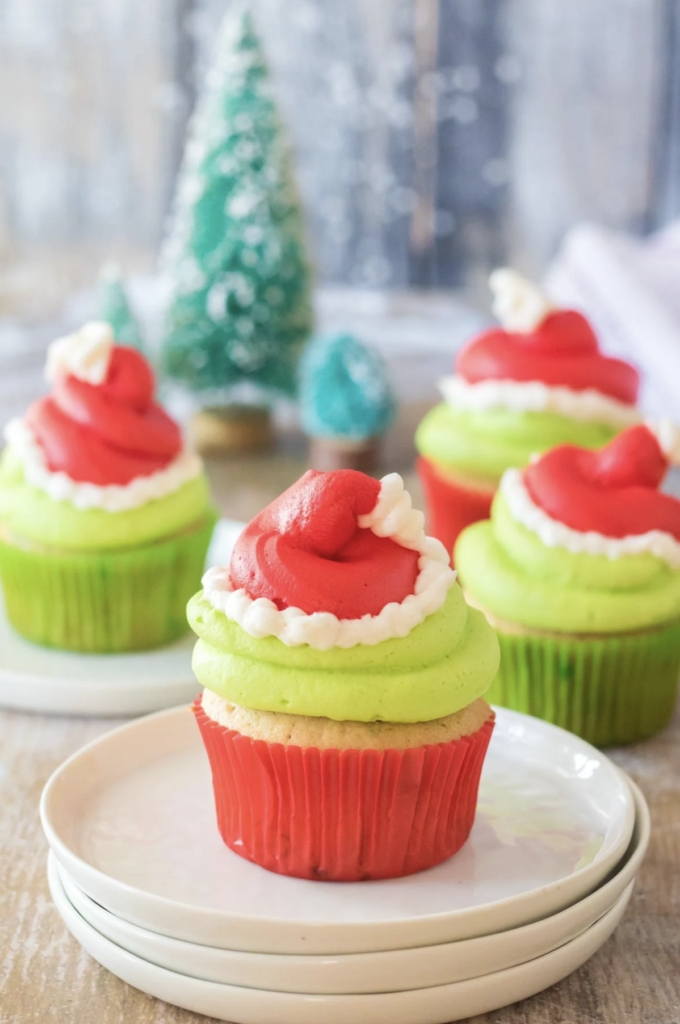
[(444, 664), (512, 575), (484, 444), (29, 514)]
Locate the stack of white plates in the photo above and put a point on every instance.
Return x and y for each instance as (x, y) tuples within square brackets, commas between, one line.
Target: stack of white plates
[(143, 881)]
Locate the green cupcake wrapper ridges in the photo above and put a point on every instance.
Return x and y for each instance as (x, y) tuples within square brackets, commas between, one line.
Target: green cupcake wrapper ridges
[(608, 690), (126, 600)]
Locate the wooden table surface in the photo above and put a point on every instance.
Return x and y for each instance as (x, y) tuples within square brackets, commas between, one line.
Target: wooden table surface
[(45, 976)]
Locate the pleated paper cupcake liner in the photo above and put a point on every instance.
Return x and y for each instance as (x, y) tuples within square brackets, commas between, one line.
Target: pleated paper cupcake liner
[(106, 602), (451, 506), (343, 815), (608, 690)]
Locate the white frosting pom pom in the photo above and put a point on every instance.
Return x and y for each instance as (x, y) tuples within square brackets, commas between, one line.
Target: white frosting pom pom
[(667, 434), (85, 354), (517, 302)]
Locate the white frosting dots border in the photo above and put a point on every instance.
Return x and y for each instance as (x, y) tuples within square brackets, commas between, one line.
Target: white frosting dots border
[(111, 498), (589, 405), (554, 534), (392, 517)]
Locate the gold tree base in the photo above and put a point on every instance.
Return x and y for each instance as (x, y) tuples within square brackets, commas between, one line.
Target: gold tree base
[(332, 453), (231, 429)]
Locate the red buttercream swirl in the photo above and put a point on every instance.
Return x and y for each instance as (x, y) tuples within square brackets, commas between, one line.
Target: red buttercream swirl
[(561, 351), (109, 433), (306, 550), (613, 491)]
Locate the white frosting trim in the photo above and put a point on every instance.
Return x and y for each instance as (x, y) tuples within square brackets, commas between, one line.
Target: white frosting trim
[(392, 517), (85, 354), (535, 396), (518, 303), (558, 535), (111, 498)]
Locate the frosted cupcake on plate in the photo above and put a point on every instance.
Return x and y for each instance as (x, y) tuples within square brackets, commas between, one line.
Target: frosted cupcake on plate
[(343, 670), (105, 517), (536, 381), (578, 570)]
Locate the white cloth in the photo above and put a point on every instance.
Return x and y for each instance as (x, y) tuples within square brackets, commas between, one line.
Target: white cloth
[(630, 290)]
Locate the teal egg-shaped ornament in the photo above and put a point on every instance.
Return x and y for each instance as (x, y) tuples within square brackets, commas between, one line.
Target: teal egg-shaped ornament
[(345, 391)]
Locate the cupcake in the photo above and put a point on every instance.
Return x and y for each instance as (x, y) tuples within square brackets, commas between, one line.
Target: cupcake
[(105, 518), (537, 381), (343, 672), (578, 571)]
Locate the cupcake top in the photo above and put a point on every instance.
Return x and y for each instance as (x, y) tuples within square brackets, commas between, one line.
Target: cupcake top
[(553, 347), (536, 381), (336, 604), (98, 443), (582, 541)]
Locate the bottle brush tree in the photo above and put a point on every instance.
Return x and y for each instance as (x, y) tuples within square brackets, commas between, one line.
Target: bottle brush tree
[(346, 401), (114, 307), (240, 309)]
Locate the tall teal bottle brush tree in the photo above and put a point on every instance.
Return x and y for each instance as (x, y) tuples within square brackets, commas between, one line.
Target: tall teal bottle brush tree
[(240, 308)]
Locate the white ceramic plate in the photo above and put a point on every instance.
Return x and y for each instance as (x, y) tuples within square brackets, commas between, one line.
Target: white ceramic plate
[(434, 1005), (36, 678), (395, 970), (131, 820)]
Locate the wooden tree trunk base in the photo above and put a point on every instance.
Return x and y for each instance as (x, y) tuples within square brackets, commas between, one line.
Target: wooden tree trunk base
[(327, 453), (232, 429)]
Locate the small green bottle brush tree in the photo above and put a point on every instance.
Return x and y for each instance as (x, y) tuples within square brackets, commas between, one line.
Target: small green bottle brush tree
[(114, 307), (240, 308)]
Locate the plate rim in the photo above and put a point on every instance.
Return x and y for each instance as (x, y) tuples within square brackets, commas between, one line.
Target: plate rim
[(394, 1002), (270, 961), (604, 897), (95, 878), (129, 694)]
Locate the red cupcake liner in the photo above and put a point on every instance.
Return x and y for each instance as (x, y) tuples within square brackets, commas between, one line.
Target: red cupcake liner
[(451, 506), (343, 815)]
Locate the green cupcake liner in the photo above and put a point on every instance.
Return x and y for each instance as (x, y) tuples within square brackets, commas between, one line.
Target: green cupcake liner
[(608, 690), (126, 600)]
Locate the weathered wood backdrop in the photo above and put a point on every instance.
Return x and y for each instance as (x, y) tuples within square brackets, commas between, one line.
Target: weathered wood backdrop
[(434, 137)]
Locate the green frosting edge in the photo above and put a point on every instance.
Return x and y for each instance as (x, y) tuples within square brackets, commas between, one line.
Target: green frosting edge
[(443, 665), (29, 514), (486, 443), (508, 571)]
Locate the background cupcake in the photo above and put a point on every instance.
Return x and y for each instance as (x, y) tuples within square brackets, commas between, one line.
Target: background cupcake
[(105, 518), (536, 382), (578, 571), (344, 671)]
